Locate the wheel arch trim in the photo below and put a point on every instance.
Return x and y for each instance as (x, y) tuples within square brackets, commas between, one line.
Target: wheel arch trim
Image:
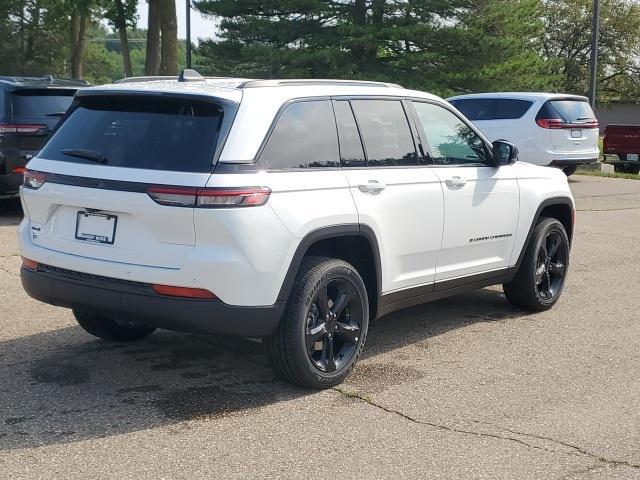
[(326, 233), (563, 200)]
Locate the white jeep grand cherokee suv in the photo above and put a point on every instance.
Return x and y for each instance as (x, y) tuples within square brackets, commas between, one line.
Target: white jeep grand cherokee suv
[(553, 129), (296, 211)]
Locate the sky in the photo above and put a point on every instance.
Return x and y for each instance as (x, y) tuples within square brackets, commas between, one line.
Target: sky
[(201, 26)]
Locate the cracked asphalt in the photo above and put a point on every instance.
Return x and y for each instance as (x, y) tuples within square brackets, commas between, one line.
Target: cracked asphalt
[(463, 388)]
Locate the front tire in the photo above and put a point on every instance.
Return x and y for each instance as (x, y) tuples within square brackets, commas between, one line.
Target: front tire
[(109, 329), (568, 171), (540, 279), (324, 328)]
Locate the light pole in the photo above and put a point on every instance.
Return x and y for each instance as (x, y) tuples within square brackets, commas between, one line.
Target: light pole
[(595, 32), (188, 5)]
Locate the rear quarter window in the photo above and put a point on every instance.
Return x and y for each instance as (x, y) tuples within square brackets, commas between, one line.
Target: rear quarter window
[(178, 134)]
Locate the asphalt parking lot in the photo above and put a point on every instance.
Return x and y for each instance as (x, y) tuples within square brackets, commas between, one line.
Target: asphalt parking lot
[(462, 388)]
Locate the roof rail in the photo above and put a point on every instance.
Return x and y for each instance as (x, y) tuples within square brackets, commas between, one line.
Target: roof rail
[(303, 82), (147, 78)]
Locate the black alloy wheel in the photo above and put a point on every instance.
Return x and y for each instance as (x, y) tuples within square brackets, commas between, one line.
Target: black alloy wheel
[(541, 275), (334, 323), (324, 327), (551, 265)]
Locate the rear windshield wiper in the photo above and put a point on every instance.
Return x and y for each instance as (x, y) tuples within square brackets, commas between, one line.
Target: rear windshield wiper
[(55, 114), (87, 154)]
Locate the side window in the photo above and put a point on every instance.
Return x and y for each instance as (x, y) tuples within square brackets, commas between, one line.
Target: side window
[(385, 132), (511, 109), (451, 141), (476, 108), (351, 152), (304, 137)]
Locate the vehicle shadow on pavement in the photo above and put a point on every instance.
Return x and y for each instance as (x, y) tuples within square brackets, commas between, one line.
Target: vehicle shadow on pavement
[(63, 386), (10, 212)]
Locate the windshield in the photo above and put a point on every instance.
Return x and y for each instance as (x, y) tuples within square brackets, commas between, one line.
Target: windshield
[(148, 132)]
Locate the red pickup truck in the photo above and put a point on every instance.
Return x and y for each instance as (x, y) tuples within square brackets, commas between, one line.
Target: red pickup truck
[(623, 141)]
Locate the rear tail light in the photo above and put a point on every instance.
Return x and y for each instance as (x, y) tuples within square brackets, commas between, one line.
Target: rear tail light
[(34, 180), (556, 123), (20, 128), (29, 264), (184, 292), (19, 170), (217, 197), (552, 123)]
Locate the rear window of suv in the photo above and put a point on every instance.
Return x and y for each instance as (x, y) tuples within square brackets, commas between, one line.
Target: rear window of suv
[(492, 108), (178, 134), (568, 110), (41, 102)]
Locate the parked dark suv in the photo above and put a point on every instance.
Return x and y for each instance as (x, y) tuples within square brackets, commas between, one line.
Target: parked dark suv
[(30, 107)]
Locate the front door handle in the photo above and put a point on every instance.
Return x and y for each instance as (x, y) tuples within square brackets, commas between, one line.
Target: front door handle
[(455, 182), (371, 186)]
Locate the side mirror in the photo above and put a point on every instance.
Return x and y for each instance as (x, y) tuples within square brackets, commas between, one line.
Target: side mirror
[(504, 153)]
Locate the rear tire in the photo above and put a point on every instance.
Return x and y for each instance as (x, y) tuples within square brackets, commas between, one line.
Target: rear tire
[(325, 324), (109, 329), (568, 171), (540, 279), (627, 168)]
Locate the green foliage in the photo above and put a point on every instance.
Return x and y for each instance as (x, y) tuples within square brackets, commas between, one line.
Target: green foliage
[(444, 46)]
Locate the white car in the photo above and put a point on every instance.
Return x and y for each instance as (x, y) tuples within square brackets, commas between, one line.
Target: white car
[(548, 128), (296, 211)]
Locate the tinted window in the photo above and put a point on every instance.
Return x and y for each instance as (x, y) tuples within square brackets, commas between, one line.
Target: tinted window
[(570, 111), (305, 136), (151, 133), (351, 153), (507, 108), (475, 108), (385, 132), (41, 102), (451, 141), (492, 108)]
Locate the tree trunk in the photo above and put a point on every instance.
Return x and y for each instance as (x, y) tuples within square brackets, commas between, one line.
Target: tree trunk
[(169, 32), (152, 59), (121, 24), (79, 25)]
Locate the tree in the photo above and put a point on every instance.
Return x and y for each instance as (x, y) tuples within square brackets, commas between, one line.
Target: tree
[(122, 15), (81, 13), (567, 40), (169, 37), (152, 59), (438, 45)]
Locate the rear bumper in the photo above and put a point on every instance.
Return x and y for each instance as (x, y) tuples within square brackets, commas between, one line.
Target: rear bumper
[(10, 185), (572, 161), (139, 303)]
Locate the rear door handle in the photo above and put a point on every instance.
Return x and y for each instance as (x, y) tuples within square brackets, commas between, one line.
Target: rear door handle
[(371, 186), (455, 182)]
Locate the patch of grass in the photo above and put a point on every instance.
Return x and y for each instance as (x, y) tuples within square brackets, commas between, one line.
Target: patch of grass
[(628, 176)]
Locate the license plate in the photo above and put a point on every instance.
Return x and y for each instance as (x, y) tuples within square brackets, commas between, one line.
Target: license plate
[(96, 227), (576, 133), (632, 157)]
